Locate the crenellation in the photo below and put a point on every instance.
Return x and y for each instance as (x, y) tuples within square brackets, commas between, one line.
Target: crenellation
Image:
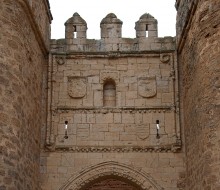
[(113, 113), (111, 27), (111, 36), (146, 27)]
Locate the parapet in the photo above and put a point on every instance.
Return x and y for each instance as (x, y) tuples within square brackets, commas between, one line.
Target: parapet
[(146, 26), (111, 26), (111, 36), (75, 28)]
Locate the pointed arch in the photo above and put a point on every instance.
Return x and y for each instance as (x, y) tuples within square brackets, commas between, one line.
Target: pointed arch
[(136, 176)]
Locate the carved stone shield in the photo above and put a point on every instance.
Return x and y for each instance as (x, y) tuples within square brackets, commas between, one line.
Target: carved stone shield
[(76, 87), (147, 86), (143, 131)]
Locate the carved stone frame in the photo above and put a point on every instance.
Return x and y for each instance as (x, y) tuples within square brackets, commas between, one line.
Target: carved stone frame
[(110, 168)]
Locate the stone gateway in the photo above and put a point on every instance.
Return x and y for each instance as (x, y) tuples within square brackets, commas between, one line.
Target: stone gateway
[(114, 113)]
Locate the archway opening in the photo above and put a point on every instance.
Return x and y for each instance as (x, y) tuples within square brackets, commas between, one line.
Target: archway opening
[(111, 183), (95, 175)]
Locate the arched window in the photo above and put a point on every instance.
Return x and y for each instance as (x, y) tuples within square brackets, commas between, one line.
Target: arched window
[(109, 93)]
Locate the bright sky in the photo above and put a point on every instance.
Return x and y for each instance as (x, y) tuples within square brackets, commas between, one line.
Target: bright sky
[(128, 11)]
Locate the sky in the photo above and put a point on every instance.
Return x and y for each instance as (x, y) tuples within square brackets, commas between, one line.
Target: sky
[(128, 11)]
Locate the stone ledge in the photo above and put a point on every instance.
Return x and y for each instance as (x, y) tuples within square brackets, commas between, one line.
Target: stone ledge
[(82, 54), (174, 148), (104, 110)]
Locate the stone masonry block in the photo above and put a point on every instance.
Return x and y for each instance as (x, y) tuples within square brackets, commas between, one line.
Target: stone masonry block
[(116, 127), (140, 102), (90, 118), (99, 127), (130, 128), (98, 98), (131, 95), (77, 118), (97, 136), (117, 118), (111, 136), (167, 97), (104, 118), (127, 118), (130, 103), (127, 137)]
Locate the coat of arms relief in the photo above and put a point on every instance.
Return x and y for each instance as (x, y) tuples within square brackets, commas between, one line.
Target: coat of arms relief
[(76, 87), (147, 87)]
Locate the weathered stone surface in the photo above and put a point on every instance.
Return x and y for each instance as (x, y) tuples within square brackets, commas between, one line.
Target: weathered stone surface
[(128, 85), (112, 93), (110, 184), (23, 48), (198, 32)]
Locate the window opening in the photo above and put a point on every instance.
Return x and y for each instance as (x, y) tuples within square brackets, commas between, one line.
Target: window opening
[(74, 31), (147, 30)]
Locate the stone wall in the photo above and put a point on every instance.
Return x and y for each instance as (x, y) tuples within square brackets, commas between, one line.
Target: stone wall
[(145, 93), (151, 170), (40, 11), (199, 68), (23, 52), (104, 104)]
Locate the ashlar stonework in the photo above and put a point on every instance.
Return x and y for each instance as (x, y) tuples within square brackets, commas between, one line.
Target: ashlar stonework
[(112, 93), (114, 113)]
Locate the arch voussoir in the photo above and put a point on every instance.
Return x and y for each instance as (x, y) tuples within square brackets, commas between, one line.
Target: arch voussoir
[(88, 175)]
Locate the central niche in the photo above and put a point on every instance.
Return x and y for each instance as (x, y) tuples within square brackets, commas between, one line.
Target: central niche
[(109, 93)]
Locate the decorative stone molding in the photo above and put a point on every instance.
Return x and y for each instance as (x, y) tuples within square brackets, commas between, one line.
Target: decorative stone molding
[(60, 60), (164, 58), (116, 54), (132, 110), (113, 54), (174, 148), (172, 73), (143, 131), (92, 173)]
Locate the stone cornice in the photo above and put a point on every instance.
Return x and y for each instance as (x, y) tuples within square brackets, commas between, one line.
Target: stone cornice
[(105, 110), (113, 55), (170, 148)]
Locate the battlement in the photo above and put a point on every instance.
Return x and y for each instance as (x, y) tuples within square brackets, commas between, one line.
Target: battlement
[(111, 36)]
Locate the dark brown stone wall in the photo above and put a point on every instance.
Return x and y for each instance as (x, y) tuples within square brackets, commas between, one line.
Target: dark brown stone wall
[(22, 62), (199, 69), (40, 10)]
